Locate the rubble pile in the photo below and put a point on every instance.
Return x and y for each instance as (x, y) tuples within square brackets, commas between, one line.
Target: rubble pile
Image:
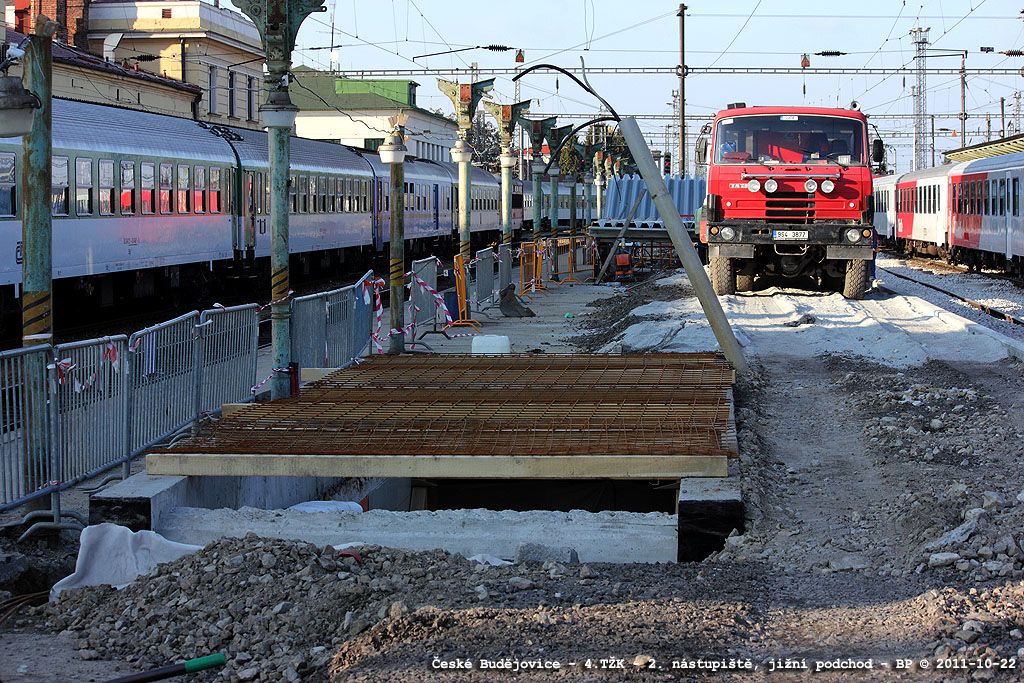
[(956, 514), (986, 626), (280, 609)]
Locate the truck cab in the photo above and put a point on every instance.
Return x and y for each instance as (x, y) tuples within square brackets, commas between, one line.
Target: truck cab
[(788, 193)]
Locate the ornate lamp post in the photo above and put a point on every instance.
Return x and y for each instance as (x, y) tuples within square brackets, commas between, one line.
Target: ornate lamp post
[(278, 22), (506, 115), (555, 137), (537, 130), (465, 98), (393, 153)]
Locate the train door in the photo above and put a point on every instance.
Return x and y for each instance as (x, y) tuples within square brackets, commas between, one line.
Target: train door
[(437, 216), (254, 210), (1006, 212), (380, 215)]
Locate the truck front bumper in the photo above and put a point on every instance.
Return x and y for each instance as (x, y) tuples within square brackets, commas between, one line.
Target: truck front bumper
[(748, 236)]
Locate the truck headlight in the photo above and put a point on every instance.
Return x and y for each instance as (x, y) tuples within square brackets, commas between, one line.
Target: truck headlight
[(827, 186), (811, 185), (754, 185), (853, 235), (727, 233), (770, 185)]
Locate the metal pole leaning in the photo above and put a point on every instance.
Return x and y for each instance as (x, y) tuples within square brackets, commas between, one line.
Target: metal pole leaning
[(684, 247), (393, 154)]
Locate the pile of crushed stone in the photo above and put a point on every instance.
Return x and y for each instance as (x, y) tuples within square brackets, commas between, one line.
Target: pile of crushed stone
[(280, 609)]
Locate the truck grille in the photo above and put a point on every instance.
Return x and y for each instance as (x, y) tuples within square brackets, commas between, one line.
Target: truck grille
[(789, 207)]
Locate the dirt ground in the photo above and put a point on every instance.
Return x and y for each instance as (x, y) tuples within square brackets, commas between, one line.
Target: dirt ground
[(884, 507)]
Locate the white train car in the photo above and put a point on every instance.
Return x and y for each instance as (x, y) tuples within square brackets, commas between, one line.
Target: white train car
[(922, 211), (986, 223), (885, 206)]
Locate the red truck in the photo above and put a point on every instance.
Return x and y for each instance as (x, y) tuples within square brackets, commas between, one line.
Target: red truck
[(788, 193)]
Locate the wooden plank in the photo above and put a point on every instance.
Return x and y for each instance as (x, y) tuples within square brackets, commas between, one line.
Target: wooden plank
[(307, 375), (455, 466), (233, 409)]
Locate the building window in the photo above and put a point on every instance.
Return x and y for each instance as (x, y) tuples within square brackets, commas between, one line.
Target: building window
[(9, 185), (59, 186), (212, 88), (372, 143), (83, 187), (231, 94), (165, 13), (250, 99)]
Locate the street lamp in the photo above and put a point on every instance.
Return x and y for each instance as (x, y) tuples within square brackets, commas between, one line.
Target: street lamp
[(18, 106), (393, 154)]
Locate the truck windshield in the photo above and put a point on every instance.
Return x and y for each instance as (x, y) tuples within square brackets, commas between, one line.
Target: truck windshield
[(789, 139)]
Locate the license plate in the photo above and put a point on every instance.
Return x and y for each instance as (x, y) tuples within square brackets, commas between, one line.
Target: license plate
[(789, 234)]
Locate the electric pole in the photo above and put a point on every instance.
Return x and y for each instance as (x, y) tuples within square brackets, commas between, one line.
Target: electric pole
[(682, 90), (920, 40)]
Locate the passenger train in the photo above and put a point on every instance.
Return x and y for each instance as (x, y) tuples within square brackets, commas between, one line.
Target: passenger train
[(145, 204), (967, 212)]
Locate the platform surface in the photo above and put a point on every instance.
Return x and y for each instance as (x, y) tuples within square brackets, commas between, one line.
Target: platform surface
[(459, 416)]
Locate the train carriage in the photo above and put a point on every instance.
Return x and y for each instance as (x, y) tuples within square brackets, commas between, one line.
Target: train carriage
[(921, 211), (885, 206)]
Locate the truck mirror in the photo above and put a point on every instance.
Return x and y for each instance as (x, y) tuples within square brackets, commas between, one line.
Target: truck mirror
[(877, 151), (702, 150)]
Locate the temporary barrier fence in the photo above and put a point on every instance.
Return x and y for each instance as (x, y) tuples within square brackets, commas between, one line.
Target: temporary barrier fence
[(26, 469), (164, 380), (90, 411), (504, 266), (70, 412), (527, 268), (484, 278), (229, 342), (424, 308)]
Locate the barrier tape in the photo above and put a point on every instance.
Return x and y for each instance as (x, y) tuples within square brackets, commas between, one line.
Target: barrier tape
[(254, 389), (376, 285), (66, 366), (265, 306)]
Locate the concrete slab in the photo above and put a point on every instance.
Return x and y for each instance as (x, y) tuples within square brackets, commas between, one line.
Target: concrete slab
[(709, 510), (597, 537)]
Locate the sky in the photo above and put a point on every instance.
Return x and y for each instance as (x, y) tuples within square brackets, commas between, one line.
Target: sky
[(729, 33)]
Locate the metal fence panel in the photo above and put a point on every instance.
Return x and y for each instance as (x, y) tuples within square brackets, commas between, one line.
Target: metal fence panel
[(26, 463), (90, 406), (424, 306), (504, 266), (309, 330), (362, 321), (163, 370), (229, 339), (339, 326), (484, 277)]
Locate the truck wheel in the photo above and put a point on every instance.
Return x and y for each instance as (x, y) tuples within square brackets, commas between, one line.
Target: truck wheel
[(723, 277), (856, 282)]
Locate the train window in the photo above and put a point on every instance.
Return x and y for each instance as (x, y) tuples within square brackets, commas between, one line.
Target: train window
[(952, 197), (166, 188), (293, 194), (8, 185), (199, 190), (214, 190), (147, 173), (986, 191), (83, 187), (339, 184), (365, 196), (127, 188), (184, 189), (1014, 192), (59, 186), (1002, 196), (324, 192), (303, 192)]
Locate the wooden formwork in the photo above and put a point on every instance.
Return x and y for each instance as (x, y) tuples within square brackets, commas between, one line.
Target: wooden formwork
[(461, 416)]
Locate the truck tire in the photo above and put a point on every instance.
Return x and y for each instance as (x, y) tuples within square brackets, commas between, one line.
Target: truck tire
[(723, 276), (856, 281)]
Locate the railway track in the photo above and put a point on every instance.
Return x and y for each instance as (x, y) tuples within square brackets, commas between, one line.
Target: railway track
[(977, 305)]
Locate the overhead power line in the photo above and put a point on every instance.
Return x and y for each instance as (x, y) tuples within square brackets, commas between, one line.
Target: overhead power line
[(690, 71)]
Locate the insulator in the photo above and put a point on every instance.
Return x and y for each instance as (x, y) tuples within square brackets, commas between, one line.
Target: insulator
[(498, 48), (830, 53)]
